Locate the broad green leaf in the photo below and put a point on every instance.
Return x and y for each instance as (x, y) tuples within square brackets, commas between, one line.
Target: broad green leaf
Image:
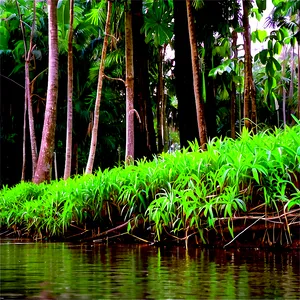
[(277, 47), (263, 56), (261, 35)]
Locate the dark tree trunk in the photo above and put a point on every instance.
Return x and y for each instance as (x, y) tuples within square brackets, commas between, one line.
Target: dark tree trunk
[(145, 142), (43, 170), (233, 88), (249, 93), (160, 102), (196, 80), (184, 77)]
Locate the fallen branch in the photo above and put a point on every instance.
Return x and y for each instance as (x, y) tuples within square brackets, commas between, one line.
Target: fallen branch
[(108, 231), (264, 219), (77, 234), (261, 218)]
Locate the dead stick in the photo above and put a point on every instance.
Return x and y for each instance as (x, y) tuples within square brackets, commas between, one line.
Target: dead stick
[(243, 231), (110, 230)]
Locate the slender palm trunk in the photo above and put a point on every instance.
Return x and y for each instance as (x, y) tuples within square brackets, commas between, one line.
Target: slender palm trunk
[(160, 102), (233, 90), (298, 110), (246, 65), (28, 100), (68, 158), (90, 163), (24, 139), (129, 150), (195, 66), (43, 170)]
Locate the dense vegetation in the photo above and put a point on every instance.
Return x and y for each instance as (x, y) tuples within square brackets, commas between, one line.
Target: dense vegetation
[(167, 74), (212, 65), (250, 184)]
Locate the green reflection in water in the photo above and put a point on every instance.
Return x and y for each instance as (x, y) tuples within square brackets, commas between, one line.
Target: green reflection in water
[(69, 271)]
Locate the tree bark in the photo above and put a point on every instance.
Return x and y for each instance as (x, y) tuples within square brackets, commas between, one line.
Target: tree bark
[(249, 93), (43, 170), (160, 102), (144, 137), (298, 40), (188, 130), (68, 158), (28, 100), (90, 163), (233, 89), (129, 150), (195, 66)]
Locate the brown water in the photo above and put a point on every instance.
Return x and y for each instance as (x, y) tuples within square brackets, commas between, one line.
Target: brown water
[(68, 271)]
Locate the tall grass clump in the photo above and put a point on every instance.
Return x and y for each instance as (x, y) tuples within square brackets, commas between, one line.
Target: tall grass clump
[(231, 186)]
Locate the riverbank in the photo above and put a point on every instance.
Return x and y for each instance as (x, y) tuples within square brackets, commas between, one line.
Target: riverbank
[(238, 192)]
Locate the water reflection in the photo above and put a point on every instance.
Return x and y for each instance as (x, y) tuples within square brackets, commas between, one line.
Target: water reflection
[(68, 271)]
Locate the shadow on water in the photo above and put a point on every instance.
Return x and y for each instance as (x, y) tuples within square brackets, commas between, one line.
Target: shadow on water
[(72, 271)]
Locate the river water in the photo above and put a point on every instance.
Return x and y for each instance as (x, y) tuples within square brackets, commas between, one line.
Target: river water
[(74, 271)]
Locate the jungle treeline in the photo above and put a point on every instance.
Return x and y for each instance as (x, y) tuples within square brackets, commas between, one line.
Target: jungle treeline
[(87, 85)]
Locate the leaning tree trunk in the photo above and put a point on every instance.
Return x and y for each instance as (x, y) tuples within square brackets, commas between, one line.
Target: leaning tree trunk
[(129, 150), (90, 163), (249, 92), (195, 66), (43, 170), (68, 159)]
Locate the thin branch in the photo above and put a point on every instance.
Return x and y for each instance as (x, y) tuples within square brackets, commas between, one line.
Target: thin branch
[(81, 233), (137, 114), (265, 219), (111, 78), (109, 237), (138, 238), (244, 231), (110, 230), (13, 81), (35, 78)]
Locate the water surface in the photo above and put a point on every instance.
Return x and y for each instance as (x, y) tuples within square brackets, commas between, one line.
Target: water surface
[(70, 271)]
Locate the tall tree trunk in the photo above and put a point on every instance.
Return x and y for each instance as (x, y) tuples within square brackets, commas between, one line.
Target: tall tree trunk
[(249, 93), (144, 137), (68, 159), (298, 40), (28, 99), (160, 102), (90, 163), (292, 68), (195, 66), (233, 89), (184, 77), (129, 150), (24, 138), (43, 170)]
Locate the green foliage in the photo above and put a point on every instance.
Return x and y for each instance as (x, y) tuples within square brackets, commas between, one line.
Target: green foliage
[(188, 190), (158, 26)]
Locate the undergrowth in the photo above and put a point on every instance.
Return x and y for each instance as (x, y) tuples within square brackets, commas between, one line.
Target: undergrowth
[(175, 196)]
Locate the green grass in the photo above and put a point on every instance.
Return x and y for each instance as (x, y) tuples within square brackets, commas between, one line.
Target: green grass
[(175, 195)]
